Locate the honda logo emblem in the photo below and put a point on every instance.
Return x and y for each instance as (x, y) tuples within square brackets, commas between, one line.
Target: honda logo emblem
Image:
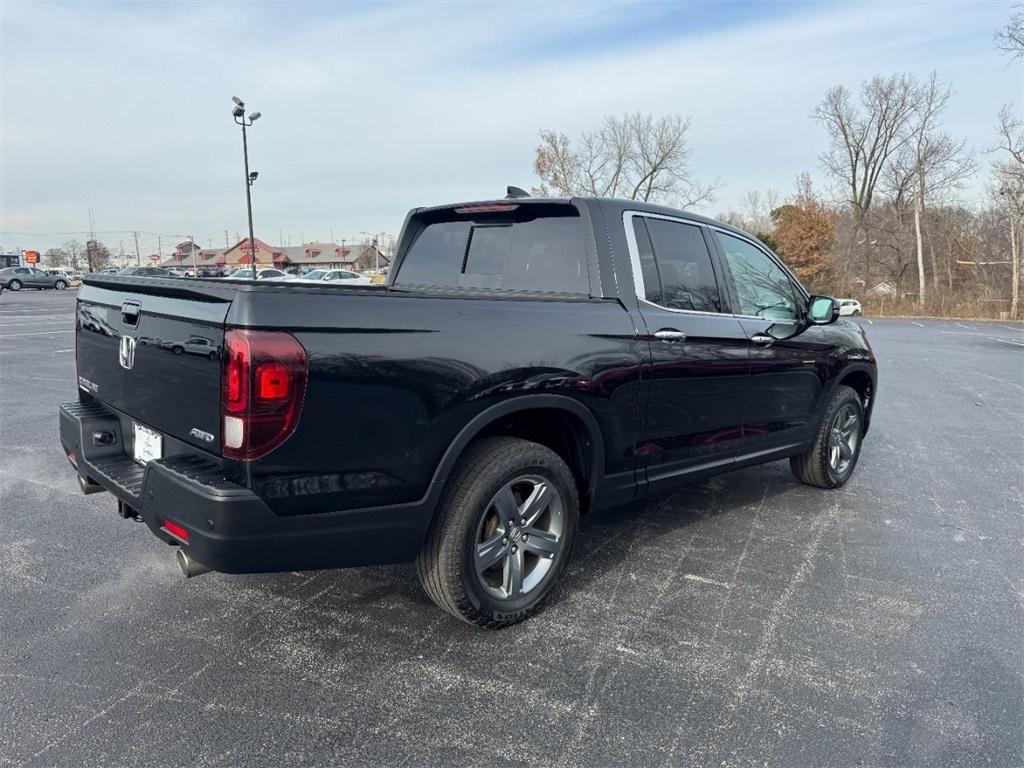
[(126, 352)]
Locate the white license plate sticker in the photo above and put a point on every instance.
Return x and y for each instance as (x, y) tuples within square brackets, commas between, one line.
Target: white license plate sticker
[(149, 445)]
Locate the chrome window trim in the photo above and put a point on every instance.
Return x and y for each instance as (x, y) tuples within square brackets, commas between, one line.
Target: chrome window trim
[(634, 261)]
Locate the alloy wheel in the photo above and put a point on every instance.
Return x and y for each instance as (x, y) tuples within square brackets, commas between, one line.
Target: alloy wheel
[(519, 537), (844, 438)]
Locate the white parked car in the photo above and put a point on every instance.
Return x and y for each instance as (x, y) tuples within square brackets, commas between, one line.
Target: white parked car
[(849, 307), (245, 273), (342, 276)]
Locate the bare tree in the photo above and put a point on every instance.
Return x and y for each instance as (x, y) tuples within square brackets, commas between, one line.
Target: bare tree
[(1009, 188), (864, 136), (636, 156), (1011, 37), (98, 255), (56, 257), (930, 164), (74, 250)]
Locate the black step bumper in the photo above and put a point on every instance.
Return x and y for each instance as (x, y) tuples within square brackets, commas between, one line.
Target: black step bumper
[(230, 529)]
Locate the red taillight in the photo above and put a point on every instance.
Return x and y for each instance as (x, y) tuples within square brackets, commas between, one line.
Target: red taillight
[(177, 531), (273, 382), (264, 382)]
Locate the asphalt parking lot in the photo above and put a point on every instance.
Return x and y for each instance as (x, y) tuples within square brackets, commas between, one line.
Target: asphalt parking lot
[(748, 620)]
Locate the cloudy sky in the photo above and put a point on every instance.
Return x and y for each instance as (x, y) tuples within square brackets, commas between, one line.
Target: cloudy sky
[(370, 109)]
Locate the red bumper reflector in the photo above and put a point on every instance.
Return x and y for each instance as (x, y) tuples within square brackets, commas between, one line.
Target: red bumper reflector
[(73, 457), (177, 531)]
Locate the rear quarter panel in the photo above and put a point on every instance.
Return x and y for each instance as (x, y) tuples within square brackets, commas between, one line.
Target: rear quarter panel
[(394, 378)]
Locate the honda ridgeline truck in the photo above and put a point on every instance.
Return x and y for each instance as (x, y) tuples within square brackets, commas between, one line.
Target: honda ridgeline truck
[(528, 360)]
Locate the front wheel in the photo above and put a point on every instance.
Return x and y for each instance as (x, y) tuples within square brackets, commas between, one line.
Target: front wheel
[(830, 460), (503, 533), (60, 285), (14, 285)]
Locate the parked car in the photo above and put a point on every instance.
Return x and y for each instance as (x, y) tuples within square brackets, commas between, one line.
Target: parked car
[(245, 273), (528, 361), (16, 278), (143, 272), (211, 271), (849, 307), (333, 276), (73, 278), (196, 345)]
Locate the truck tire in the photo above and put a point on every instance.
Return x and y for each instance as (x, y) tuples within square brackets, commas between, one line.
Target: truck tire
[(503, 533), (14, 285), (830, 460)]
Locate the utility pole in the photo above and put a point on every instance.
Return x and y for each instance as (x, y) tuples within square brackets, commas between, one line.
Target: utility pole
[(192, 248), (138, 258), (227, 242), (246, 122), (159, 249)]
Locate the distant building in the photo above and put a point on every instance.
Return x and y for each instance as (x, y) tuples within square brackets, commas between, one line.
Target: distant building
[(882, 289), (358, 258)]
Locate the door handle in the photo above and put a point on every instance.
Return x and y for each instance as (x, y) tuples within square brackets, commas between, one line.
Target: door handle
[(762, 339), (670, 334)]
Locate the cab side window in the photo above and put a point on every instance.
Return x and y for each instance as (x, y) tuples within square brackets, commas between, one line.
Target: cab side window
[(762, 286), (675, 265)]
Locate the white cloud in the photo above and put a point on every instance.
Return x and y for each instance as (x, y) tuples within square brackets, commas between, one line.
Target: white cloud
[(368, 112)]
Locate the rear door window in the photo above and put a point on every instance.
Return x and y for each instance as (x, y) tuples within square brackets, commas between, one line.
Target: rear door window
[(681, 266), (533, 248)]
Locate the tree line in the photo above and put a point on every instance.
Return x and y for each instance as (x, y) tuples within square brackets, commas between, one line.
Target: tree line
[(91, 255), (896, 233)]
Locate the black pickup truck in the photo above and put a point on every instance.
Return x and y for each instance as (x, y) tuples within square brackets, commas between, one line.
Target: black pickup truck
[(528, 360)]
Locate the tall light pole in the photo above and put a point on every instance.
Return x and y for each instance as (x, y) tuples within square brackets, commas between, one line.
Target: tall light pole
[(246, 122)]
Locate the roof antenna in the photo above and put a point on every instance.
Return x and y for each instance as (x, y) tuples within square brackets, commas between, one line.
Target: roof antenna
[(513, 192)]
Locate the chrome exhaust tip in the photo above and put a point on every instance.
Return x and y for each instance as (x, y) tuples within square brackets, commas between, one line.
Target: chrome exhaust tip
[(89, 486), (188, 566)]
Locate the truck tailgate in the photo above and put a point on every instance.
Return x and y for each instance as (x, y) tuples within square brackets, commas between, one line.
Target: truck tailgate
[(155, 355)]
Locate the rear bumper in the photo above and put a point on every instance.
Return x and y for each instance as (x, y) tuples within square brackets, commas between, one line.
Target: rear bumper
[(230, 529)]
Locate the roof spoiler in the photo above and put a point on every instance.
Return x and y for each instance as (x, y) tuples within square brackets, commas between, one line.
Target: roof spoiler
[(511, 193)]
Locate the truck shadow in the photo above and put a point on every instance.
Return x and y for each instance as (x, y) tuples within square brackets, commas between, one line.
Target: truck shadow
[(604, 542), (607, 538)]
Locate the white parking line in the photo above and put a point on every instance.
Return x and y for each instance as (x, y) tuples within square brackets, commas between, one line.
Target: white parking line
[(55, 321), (1012, 342), (870, 321), (34, 333), (919, 325)]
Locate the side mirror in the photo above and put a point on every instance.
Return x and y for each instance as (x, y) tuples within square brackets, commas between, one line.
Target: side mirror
[(822, 310)]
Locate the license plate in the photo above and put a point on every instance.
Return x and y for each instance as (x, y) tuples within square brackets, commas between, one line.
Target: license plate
[(149, 445)]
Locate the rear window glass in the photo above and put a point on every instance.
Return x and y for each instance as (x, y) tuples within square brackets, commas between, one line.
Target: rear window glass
[(533, 248)]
